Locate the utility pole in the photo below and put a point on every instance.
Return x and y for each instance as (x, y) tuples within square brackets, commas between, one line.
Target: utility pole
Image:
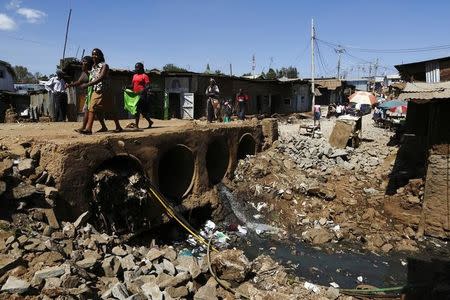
[(375, 74), (231, 70), (65, 40), (253, 64), (339, 51), (313, 90)]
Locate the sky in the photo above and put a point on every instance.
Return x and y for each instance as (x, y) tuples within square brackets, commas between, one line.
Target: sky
[(194, 33)]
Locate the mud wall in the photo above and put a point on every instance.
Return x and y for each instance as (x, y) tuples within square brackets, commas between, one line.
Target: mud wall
[(182, 164), (435, 219)]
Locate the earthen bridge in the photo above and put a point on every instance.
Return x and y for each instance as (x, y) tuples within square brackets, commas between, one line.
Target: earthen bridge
[(182, 158)]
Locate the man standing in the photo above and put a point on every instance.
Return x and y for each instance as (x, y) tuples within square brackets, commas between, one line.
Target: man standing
[(212, 103), (241, 100), (141, 84), (57, 86)]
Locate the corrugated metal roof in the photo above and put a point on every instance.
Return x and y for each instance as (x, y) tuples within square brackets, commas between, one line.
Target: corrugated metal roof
[(423, 92), (330, 84)]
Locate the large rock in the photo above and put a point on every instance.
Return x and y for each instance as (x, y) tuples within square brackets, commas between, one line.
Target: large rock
[(49, 272), (26, 166), (231, 265), (119, 291), (206, 292), (318, 236), (8, 263), (178, 292), (111, 266), (153, 254), (23, 190), (15, 285), (6, 166), (188, 264), (152, 291)]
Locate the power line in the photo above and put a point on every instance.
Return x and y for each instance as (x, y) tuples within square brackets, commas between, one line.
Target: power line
[(400, 50)]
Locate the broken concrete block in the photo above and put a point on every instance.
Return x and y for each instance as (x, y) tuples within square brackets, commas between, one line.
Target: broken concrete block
[(119, 291), (206, 292), (6, 167), (26, 166), (152, 291), (15, 285), (23, 190), (49, 272), (111, 266), (51, 218), (154, 254)]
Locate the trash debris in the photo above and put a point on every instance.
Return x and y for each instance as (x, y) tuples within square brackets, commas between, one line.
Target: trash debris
[(311, 287)]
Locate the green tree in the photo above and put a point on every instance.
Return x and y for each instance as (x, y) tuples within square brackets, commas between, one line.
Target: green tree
[(289, 72), (218, 72), (246, 74), (271, 74), (173, 68), (23, 75)]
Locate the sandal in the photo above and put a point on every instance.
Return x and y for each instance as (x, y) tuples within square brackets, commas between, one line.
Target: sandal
[(86, 132)]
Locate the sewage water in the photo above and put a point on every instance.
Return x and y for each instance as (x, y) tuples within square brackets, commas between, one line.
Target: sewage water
[(343, 265)]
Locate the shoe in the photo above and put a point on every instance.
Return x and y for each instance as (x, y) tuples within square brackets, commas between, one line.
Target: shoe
[(118, 130), (78, 130), (102, 130), (86, 132), (150, 124)]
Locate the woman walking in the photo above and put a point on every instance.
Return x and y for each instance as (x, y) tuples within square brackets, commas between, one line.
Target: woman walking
[(101, 100)]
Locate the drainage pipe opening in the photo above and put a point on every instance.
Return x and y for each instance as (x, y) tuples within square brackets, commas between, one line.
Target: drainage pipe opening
[(217, 159), (247, 146), (176, 172)]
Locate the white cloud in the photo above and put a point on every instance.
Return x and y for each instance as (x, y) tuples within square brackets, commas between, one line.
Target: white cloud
[(6, 23), (32, 15), (13, 4)]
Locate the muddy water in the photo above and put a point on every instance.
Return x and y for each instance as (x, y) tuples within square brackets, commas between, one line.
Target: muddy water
[(322, 266)]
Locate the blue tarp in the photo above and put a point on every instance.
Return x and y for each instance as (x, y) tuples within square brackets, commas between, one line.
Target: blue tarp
[(392, 103)]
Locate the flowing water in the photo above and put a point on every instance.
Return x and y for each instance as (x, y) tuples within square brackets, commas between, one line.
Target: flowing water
[(342, 266)]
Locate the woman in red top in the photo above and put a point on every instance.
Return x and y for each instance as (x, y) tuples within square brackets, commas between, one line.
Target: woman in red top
[(141, 84), (241, 101)]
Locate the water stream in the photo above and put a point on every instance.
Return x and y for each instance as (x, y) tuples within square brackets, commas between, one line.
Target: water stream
[(342, 266)]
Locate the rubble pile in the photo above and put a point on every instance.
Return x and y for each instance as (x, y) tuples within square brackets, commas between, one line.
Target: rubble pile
[(322, 195), (78, 262)]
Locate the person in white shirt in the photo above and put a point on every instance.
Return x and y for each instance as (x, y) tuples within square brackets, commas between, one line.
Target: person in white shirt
[(57, 86)]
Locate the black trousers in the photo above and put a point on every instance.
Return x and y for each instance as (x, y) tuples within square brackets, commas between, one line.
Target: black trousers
[(60, 106), (209, 110), (241, 113)]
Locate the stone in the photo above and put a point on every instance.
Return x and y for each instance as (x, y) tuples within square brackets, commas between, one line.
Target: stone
[(127, 262), (407, 245), (168, 267), (206, 292), (338, 153), (170, 253), (22, 191), (119, 251), (6, 166), (50, 192), (87, 262), (231, 265), (48, 273), (15, 285), (318, 236), (188, 264), (82, 219), (69, 230), (26, 166), (51, 218), (2, 187), (52, 282), (119, 291), (332, 293), (369, 214), (178, 292), (386, 248), (322, 221), (111, 266), (152, 291), (70, 281), (413, 199), (154, 254), (8, 263)]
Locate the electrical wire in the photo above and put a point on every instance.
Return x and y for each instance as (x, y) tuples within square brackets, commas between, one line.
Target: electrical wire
[(400, 50)]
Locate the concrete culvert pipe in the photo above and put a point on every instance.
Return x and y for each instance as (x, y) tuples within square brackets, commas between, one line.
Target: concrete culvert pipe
[(217, 159), (247, 146), (176, 172)]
